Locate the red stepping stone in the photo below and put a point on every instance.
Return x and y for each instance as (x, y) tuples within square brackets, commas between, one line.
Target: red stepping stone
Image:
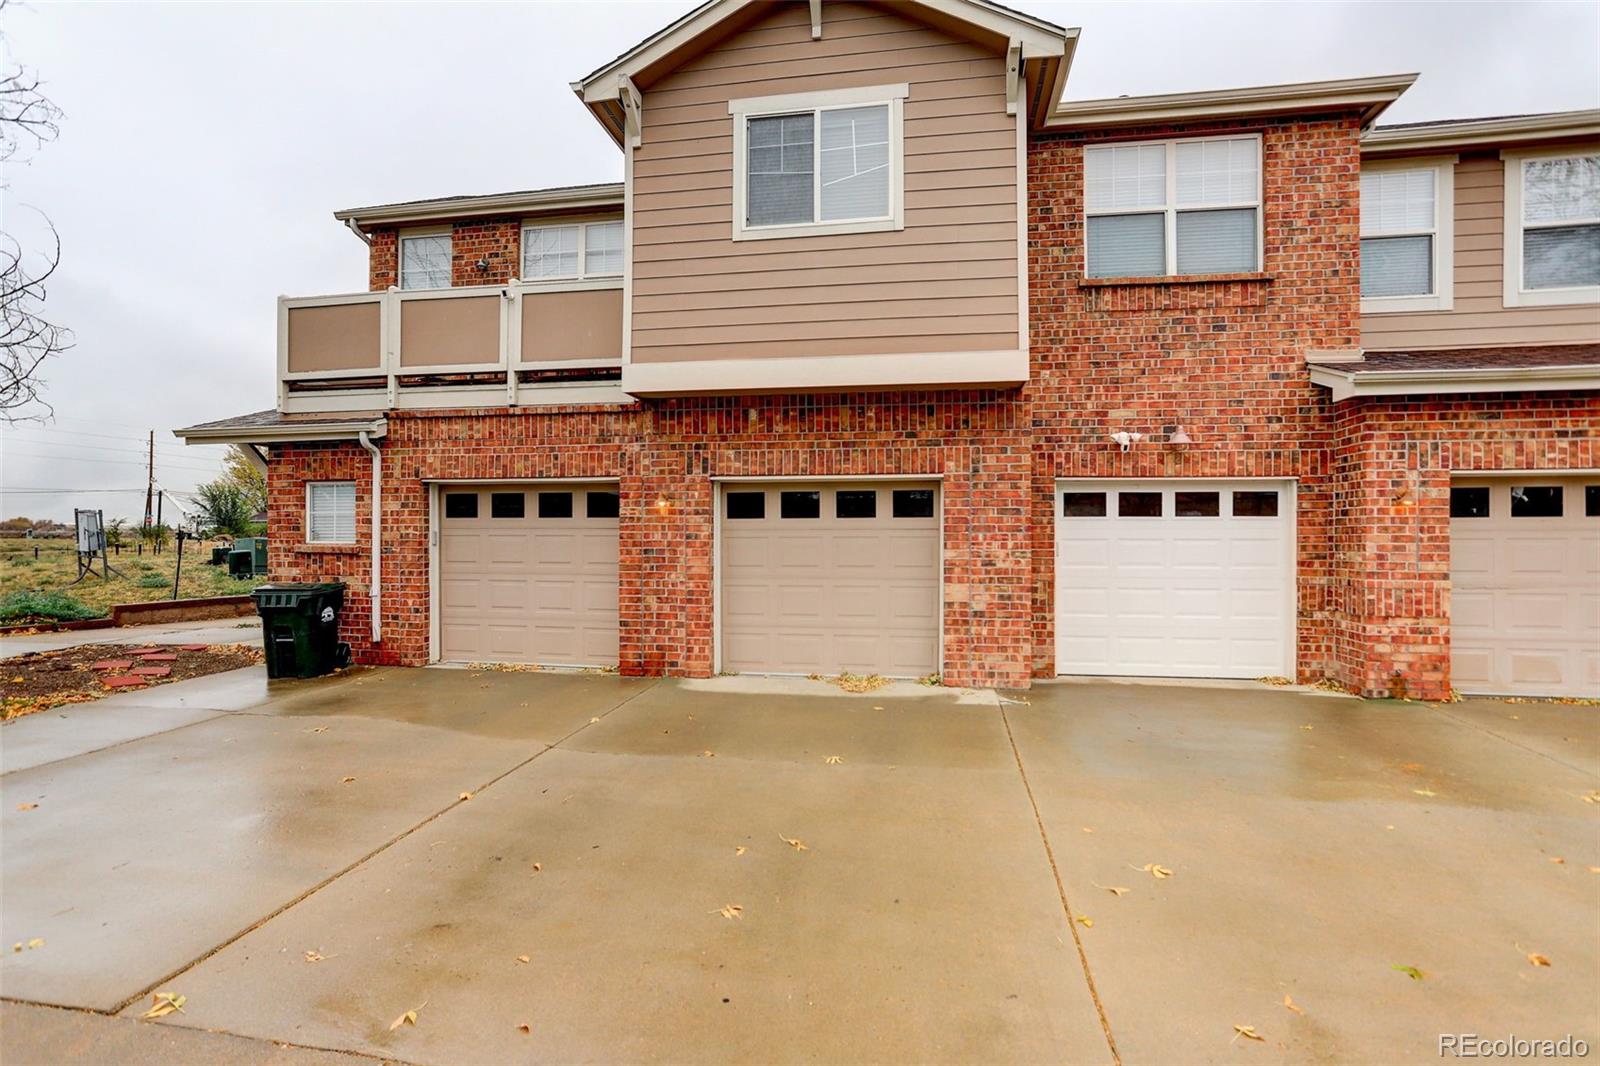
[(145, 651), (152, 671), (160, 657), (111, 664), (124, 681), (193, 647)]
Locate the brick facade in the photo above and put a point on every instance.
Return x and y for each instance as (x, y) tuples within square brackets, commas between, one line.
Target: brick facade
[(1223, 357)]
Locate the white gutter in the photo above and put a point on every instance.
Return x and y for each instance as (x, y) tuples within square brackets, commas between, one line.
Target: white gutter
[(1345, 384), (283, 432), (375, 589), (355, 227)]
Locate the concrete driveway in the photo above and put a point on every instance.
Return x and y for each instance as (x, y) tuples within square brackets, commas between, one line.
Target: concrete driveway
[(746, 870)]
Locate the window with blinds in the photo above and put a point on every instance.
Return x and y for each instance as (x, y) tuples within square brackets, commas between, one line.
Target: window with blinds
[(587, 250), (331, 512), (1399, 231), (1561, 222), (1173, 207), (821, 163)]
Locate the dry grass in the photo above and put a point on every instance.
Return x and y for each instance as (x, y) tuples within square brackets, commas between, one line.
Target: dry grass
[(56, 566)]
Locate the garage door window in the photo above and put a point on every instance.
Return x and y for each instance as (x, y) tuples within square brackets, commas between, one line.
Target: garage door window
[(1591, 501), (747, 505), (555, 505), (461, 505), (601, 504), (1083, 505), (800, 504), (1536, 501), (1469, 503), (1138, 505), (507, 505), (1196, 504), (854, 504), (1255, 505), (913, 503)]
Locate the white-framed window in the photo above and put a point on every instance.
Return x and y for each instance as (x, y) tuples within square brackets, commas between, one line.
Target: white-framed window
[(817, 163), (571, 250), (425, 260), (1407, 239), (330, 512), (1552, 231), (1173, 208)]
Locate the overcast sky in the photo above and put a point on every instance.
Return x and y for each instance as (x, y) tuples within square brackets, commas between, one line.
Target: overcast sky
[(204, 147)]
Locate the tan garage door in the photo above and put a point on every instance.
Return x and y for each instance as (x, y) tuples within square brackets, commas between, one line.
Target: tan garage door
[(826, 578), (1525, 576), (528, 574)]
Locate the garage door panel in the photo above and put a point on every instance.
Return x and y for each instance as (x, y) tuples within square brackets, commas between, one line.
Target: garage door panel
[(828, 594), (1525, 597), (529, 590), (1190, 595)]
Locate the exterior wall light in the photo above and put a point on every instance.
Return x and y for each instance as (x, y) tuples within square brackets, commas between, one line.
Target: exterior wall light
[(661, 504), (1179, 439), (1127, 438)]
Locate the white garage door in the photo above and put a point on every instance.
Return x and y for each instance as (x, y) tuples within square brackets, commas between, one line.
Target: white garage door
[(827, 578), (1525, 577), (1175, 578), (528, 574)]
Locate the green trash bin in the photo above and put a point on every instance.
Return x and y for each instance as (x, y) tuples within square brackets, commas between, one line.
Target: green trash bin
[(300, 628)]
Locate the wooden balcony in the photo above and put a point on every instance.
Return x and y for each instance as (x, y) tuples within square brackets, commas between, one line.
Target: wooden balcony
[(521, 343)]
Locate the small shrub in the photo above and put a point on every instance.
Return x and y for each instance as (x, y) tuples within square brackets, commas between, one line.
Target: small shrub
[(153, 581), (50, 606)]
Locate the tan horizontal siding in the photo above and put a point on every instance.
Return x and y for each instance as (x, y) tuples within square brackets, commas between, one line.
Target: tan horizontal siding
[(719, 246), (852, 329), (787, 347), (931, 94), (1479, 317), (876, 294), (836, 309), (755, 273)]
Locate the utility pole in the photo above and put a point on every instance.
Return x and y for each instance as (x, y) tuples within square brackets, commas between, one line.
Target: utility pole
[(150, 480)]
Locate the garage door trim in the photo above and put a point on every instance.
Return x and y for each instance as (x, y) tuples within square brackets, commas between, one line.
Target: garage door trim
[(1289, 487), (436, 488), (719, 486)]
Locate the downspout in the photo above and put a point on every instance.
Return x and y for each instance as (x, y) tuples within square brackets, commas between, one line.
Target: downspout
[(356, 229), (376, 587)]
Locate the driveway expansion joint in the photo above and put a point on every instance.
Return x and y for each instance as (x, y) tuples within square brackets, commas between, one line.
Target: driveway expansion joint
[(1061, 887), (1505, 739)]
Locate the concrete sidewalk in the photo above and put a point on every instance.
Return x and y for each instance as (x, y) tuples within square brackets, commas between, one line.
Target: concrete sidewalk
[(748, 870), (213, 631)]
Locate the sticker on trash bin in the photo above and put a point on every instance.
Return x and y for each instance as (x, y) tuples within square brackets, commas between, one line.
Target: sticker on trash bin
[(327, 615)]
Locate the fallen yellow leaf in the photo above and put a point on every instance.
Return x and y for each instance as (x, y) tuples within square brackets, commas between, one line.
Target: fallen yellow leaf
[(1287, 1002), (1594, 869), (794, 842), (1115, 890), (834, 760), (1086, 829), (1247, 1031), (523, 958), (466, 795), (1558, 860), (36, 942), (315, 956), (1086, 922), (1536, 959), (164, 1003), (1156, 870), (537, 867), (26, 806), (592, 721), (524, 1028), (739, 849), (1424, 792), (1410, 971), (729, 910), (346, 780), (408, 1018), (708, 755)]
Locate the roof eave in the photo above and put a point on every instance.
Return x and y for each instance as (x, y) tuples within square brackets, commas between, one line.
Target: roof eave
[(1489, 131), (330, 430), (538, 201), (1348, 384), (1369, 96)]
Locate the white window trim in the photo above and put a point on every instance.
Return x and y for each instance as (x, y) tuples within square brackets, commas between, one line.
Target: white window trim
[(355, 506), (1171, 209), (891, 96), (400, 252), (583, 247), (1515, 295), (1443, 233)]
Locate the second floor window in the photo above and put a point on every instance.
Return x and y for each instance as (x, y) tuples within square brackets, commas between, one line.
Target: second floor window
[(823, 164), (425, 261), (574, 250), (1552, 229), (1406, 247), (1173, 208)]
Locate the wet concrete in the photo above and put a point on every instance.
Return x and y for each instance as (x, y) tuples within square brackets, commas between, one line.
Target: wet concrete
[(1315, 845), (32, 1035), (920, 923)]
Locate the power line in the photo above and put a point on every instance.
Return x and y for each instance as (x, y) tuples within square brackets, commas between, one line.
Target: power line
[(169, 464), (102, 449)]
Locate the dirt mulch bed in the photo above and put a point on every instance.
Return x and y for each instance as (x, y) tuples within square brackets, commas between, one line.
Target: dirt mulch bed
[(41, 680)]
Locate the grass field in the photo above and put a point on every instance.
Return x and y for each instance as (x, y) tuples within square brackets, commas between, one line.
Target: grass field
[(143, 577)]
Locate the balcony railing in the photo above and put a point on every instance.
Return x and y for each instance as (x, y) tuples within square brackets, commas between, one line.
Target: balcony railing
[(477, 346)]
